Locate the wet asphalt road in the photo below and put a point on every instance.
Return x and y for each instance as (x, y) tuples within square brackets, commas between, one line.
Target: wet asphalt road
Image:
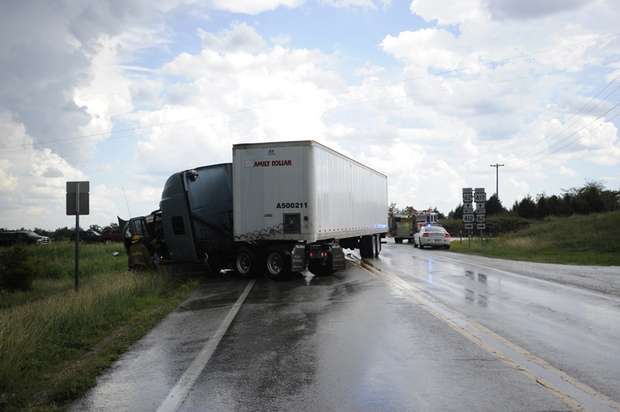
[(362, 340)]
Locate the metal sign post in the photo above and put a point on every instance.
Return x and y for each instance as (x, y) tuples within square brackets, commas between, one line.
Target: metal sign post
[(77, 204), (480, 197), (468, 212)]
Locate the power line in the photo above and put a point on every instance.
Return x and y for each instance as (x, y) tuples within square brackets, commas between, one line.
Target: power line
[(564, 135), (573, 138)]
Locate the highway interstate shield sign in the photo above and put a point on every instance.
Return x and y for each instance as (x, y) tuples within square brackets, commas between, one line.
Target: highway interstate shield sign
[(469, 218)]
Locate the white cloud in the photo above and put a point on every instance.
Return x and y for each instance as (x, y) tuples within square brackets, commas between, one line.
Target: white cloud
[(240, 37), (33, 180), (448, 11), (253, 6), (252, 92), (361, 4)]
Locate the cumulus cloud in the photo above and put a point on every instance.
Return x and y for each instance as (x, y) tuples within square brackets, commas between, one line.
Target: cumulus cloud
[(32, 180), (249, 92), (46, 52), (253, 6), (526, 9), (447, 11), (240, 37), (361, 4)]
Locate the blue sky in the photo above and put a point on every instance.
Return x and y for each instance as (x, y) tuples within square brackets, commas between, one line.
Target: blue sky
[(429, 91)]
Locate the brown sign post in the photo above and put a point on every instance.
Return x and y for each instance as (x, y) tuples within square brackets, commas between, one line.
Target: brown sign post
[(77, 204)]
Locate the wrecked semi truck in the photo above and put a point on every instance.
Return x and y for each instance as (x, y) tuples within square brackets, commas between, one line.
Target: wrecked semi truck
[(279, 207)]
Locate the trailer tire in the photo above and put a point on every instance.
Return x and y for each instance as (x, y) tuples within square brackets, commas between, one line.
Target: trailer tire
[(366, 248), (276, 264), (398, 240), (245, 262)]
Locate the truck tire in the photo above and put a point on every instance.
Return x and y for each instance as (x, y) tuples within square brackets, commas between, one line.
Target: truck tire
[(276, 264), (366, 247), (245, 262), (376, 244)]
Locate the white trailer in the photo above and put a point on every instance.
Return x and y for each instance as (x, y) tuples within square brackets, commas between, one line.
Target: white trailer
[(299, 203), (304, 191)]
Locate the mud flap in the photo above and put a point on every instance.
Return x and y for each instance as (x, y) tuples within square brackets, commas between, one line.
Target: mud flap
[(298, 258), (338, 261)]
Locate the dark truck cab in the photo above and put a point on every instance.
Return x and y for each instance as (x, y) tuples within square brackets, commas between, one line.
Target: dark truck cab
[(197, 215)]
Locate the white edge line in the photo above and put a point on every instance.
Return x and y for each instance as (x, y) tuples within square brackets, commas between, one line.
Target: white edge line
[(180, 391)]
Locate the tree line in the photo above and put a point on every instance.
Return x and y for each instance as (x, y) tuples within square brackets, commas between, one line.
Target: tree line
[(593, 197), (110, 232)]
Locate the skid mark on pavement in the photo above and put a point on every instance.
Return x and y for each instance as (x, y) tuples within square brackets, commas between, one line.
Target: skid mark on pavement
[(575, 394), (178, 394)]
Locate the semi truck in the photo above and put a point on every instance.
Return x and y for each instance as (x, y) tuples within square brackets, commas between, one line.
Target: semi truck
[(279, 207)]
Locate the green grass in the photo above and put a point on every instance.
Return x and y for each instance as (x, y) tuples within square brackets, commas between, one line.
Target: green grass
[(583, 240), (55, 268), (54, 342)]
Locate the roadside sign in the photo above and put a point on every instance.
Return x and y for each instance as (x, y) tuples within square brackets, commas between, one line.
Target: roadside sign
[(468, 208), (467, 195), (480, 218), (468, 218), (480, 197), (480, 206), (481, 226), (77, 198), (77, 204), (469, 226)]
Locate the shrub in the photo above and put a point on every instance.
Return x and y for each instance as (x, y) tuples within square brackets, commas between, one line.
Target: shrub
[(16, 269)]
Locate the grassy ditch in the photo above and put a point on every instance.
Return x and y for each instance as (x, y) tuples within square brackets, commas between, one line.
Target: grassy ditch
[(54, 342), (583, 240)]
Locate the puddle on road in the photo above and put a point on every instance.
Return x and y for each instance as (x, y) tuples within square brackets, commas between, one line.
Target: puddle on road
[(207, 302), (308, 276)]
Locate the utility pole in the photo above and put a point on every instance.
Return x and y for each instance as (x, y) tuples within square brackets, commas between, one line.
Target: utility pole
[(497, 166)]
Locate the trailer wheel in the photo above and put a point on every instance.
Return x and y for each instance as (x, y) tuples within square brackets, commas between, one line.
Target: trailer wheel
[(398, 240), (245, 262), (276, 265), (366, 248)]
